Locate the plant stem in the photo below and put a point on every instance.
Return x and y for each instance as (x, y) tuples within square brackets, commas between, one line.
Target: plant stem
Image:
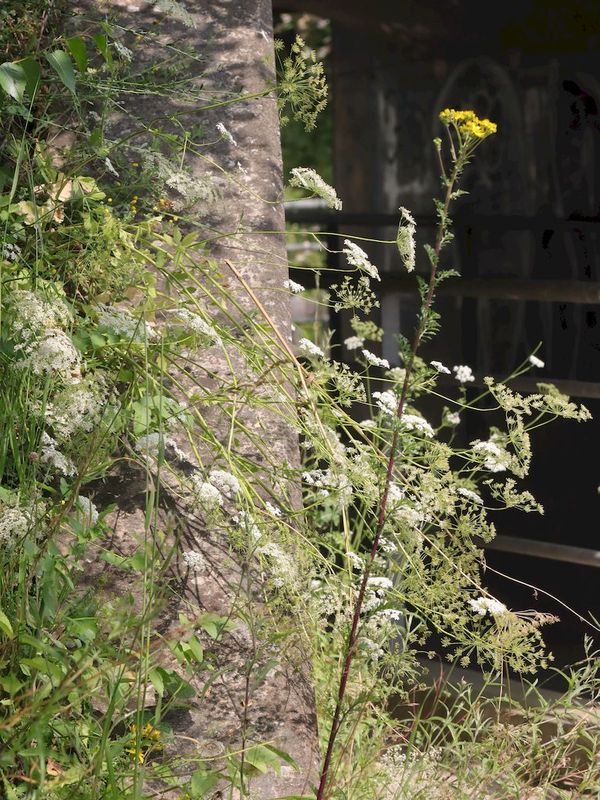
[(353, 636)]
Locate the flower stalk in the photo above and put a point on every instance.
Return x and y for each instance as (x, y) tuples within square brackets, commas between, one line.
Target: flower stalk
[(467, 140)]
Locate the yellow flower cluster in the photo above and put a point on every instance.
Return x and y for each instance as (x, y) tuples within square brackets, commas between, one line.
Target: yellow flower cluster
[(151, 737), (468, 124)]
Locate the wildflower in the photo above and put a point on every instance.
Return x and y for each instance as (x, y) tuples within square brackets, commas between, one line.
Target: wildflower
[(54, 353), (110, 167), (282, 566), (468, 124), (196, 325), (88, 510), (121, 322), (123, 52), (306, 178), (440, 367), (49, 454), (395, 495), (368, 424), (469, 495), (487, 605), (374, 360), (225, 482), (357, 257), (34, 315), (536, 362), (411, 516), (495, 458), (354, 342), (380, 584), (413, 422), (245, 520), (194, 560), (208, 497), (77, 410), (452, 418), (271, 509), (405, 239), (294, 288), (397, 374), (310, 349), (225, 134), (14, 524), (355, 560), (10, 251), (386, 402), (463, 373)]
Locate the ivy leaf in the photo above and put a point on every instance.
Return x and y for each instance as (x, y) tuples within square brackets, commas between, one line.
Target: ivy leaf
[(62, 65)]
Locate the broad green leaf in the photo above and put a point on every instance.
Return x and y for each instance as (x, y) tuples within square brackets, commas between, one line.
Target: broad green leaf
[(31, 68), (13, 79), (78, 50), (61, 63), (5, 625), (11, 684)]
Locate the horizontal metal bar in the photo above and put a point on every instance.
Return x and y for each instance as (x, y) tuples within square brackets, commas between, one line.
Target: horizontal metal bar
[(544, 291), (316, 211), (550, 550)]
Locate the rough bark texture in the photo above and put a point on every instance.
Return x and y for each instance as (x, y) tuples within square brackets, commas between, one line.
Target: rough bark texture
[(235, 41)]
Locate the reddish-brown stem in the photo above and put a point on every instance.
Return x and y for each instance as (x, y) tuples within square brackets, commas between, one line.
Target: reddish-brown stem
[(353, 636)]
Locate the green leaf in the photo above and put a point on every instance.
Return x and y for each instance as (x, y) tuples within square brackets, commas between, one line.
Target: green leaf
[(78, 50), (11, 684), (101, 43), (31, 68), (201, 783), (156, 680), (196, 649), (13, 79), (5, 625), (61, 63)]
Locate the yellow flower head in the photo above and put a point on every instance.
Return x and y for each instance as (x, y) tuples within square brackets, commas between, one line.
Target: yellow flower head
[(468, 124)]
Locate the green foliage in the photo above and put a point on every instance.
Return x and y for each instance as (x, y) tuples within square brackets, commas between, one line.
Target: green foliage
[(113, 315)]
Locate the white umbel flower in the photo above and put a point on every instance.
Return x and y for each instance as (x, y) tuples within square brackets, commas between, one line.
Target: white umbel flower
[(536, 362), (14, 523), (306, 178), (487, 605), (405, 239), (194, 560), (50, 455), (413, 422), (88, 512), (386, 402), (354, 342), (294, 288), (225, 134), (495, 458), (357, 257), (225, 482), (208, 497), (374, 360), (463, 373), (310, 349), (55, 353), (440, 367), (469, 495)]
